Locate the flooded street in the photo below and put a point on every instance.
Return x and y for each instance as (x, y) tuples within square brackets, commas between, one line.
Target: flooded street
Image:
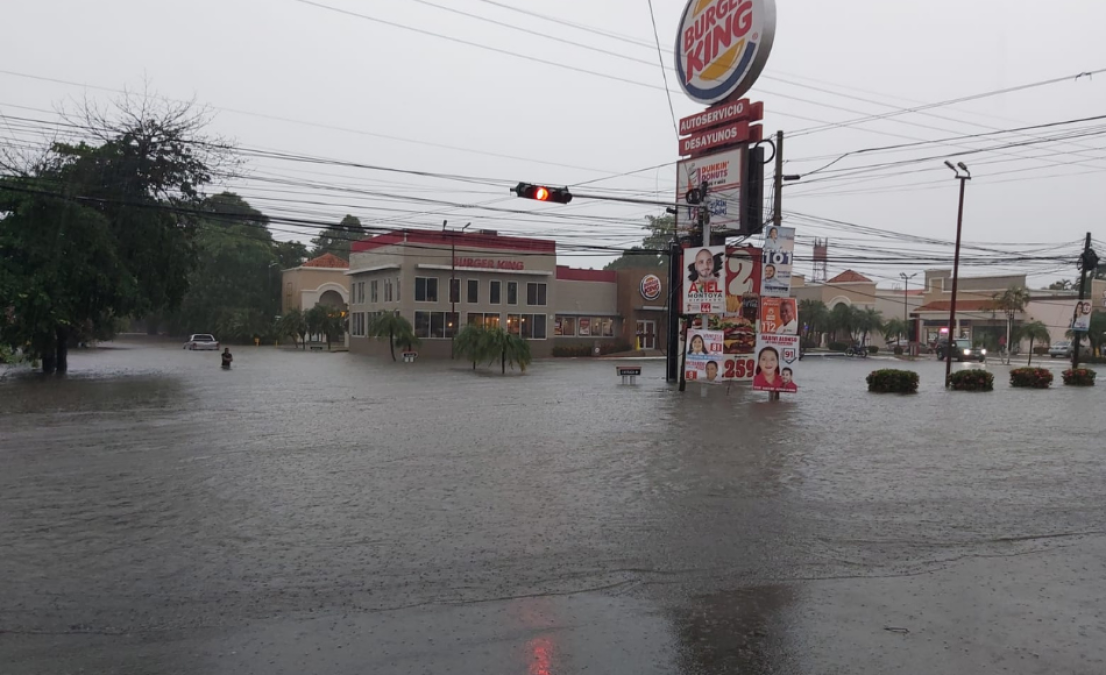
[(332, 513)]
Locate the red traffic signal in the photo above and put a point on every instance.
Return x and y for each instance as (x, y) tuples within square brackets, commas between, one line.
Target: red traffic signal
[(542, 193)]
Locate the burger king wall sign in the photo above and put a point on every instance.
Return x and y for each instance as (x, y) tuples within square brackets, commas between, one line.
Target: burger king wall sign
[(650, 287), (722, 47)]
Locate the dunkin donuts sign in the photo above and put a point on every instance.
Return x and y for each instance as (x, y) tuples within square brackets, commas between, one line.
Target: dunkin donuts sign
[(723, 46)]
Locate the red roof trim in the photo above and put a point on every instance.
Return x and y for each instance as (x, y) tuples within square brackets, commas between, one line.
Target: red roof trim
[(462, 239), (327, 261), (850, 277), (573, 274)]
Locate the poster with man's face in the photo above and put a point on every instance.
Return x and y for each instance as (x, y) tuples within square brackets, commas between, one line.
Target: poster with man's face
[(777, 260), (1082, 322), (704, 280), (779, 316), (705, 360)]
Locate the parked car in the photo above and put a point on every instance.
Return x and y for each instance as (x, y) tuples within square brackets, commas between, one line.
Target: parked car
[(201, 341), (1060, 350), (962, 351)]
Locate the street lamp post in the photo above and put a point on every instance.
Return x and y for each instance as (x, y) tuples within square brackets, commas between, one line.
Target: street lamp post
[(963, 175), (905, 292)]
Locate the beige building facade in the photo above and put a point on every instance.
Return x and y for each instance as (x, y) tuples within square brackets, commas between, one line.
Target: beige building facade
[(500, 281), (322, 280)]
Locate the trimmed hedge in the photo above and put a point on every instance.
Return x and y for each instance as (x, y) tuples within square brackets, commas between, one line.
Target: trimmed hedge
[(975, 379), (899, 351), (578, 351), (890, 381), (838, 346), (1032, 378), (872, 349), (1041, 350), (1079, 377)]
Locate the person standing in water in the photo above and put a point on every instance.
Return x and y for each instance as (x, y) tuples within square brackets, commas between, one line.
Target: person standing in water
[(227, 358)]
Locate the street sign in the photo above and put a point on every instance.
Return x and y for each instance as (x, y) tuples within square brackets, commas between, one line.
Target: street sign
[(629, 374)]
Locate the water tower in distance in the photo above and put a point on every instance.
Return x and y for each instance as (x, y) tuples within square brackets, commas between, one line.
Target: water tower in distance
[(821, 261)]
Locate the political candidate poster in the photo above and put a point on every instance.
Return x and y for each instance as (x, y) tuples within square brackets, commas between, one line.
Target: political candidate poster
[(777, 358)]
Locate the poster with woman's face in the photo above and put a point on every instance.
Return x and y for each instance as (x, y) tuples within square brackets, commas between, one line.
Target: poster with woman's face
[(776, 361), (705, 361), (1082, 322)]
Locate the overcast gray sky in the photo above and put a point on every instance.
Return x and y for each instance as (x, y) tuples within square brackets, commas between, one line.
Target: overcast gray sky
[(289, 76)]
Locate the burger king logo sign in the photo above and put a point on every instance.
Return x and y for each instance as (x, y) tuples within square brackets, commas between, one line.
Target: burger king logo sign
[(650, 287), (723, 46)]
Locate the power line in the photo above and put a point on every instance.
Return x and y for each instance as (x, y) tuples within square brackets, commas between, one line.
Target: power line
[(664, 71)]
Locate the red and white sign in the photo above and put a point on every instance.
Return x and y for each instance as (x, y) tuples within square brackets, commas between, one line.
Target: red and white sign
[(723, 170), (731, 134), (734, 111), (651, 287), (723, 46), (490, 264)]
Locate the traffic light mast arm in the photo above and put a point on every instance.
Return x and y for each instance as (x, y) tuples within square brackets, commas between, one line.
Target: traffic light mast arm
[(562, 195)]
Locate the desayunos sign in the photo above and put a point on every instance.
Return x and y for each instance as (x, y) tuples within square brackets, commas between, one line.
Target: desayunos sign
[(722, 47)]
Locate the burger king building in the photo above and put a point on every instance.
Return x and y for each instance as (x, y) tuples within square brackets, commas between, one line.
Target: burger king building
[(500, 281)]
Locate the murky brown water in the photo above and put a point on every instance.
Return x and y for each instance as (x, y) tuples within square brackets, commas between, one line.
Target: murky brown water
[(334, 514)]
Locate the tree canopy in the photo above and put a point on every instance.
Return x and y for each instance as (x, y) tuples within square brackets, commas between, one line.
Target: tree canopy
[(660, 230), (338, 239)]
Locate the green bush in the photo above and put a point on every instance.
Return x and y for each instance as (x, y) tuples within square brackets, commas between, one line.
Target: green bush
[(1092, 359), (898, 350), (1041, 350), (975, 379), (1079, 377), (872, 349), (838, 346), (578, 351), (1033, 378), (890, 381), (572, 352)]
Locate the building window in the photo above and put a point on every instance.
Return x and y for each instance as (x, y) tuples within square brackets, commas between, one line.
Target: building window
[(359, 324), (435, 325), (474, 291), (536, 294), (514, 324), (397, 289), (512, 292), (455, 290), (494, 290), (489, 321), (374, 292), (388, 290), (568, 326), (534, 326), (426, 289)]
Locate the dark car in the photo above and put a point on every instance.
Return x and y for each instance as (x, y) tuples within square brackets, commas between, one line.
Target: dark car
[(962, 351)]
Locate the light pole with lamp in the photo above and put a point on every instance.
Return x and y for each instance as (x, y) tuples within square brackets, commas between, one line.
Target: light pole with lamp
[(962, 175), (905, 292)]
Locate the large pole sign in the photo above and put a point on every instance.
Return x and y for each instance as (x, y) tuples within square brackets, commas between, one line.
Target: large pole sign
[(723, 46)]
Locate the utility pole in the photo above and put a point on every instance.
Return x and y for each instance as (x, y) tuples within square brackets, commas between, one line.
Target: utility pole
[(698, 198), (674, 287), (1088, 262), (963, 175), (905, 307), (777, 197)]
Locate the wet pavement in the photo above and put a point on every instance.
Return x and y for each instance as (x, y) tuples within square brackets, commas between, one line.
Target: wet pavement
[(330, 513)]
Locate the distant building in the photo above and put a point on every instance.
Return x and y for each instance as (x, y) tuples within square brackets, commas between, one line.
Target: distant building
[(322, 280)]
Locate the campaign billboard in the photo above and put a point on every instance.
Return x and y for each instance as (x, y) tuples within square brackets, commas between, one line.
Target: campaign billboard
[(777, 260), (1082, 321), (704, 280), (779, 316), (777, 358), (704, 361)]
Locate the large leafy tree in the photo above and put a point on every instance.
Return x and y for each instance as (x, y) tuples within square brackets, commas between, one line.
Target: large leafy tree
[(814, 318), (337, 240), (293, 324), (118, 211), (472, 344), (1012, 301), (895, 328), (660, 230), (230, 288)]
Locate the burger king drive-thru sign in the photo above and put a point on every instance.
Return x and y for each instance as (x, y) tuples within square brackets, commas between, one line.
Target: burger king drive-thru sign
[(723, 46)]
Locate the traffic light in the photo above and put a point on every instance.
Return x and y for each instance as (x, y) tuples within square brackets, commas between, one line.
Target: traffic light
[(543, 193)]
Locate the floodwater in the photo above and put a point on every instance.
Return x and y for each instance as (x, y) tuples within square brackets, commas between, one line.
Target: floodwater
[(332, 513)]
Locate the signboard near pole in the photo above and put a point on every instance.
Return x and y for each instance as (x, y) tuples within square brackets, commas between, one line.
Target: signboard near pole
[(778, 258), (704, 280), (705, 360), (1082, 321), (777, 357), (723, 172)]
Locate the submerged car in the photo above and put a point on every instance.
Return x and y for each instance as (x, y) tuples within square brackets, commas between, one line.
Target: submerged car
[(1060, 350), (201, 341), (962, 350)]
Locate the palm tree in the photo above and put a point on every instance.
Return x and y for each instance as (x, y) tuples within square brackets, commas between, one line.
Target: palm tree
[(813, 317), (1034, 331), (508, 349), (1012, 301), (868, 320), (293, 324), (472, 344), (895, 328), (396, 328)]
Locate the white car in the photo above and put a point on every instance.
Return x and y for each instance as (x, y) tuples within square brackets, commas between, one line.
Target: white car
[(202, 341)]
